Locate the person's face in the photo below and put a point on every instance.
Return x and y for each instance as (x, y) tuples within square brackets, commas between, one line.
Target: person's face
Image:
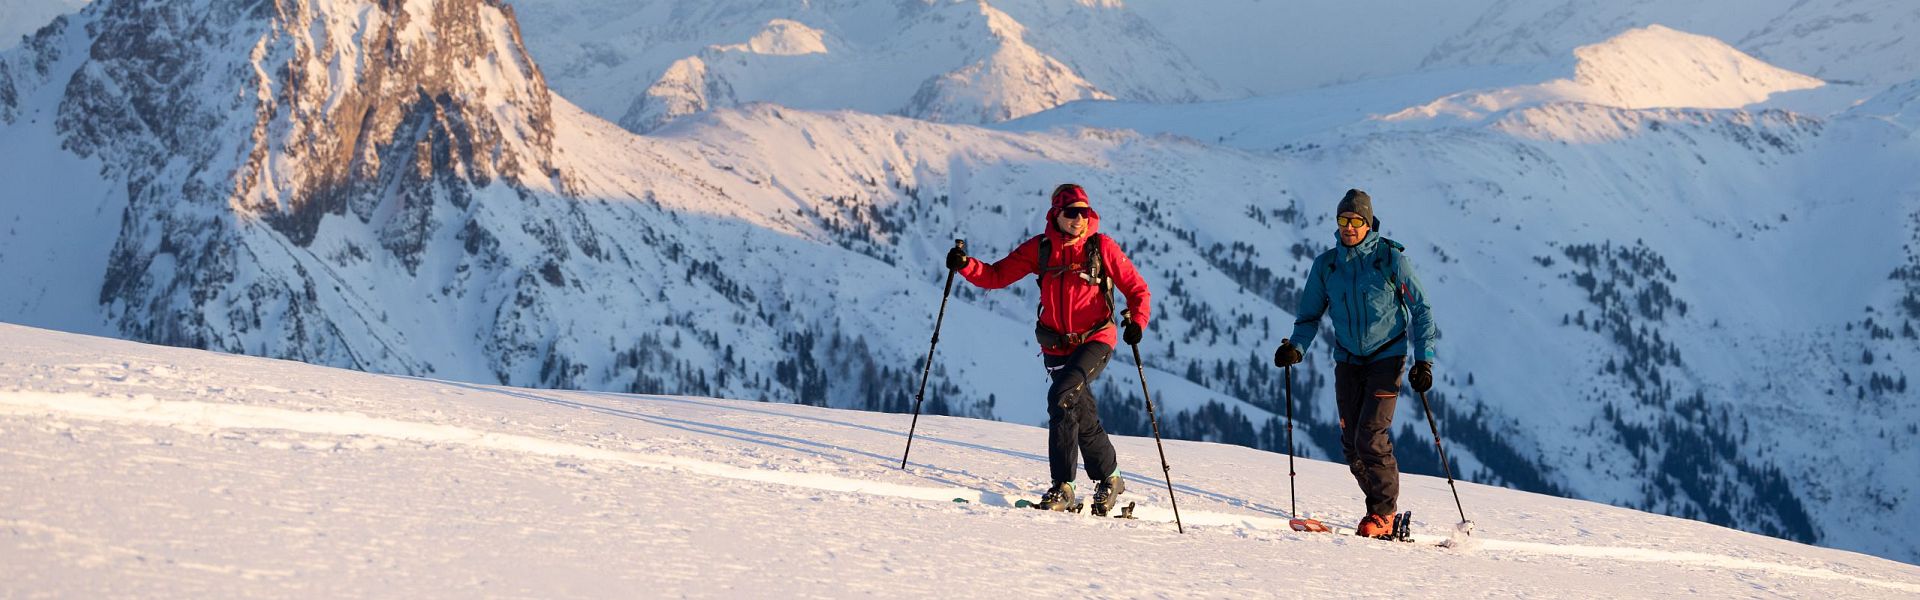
[(1351, 227), (1072, 220)]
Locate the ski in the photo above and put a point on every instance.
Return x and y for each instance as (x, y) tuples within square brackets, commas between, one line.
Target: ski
[(1402, 532), (1126, 512), (1308, 526), (1024, 503)]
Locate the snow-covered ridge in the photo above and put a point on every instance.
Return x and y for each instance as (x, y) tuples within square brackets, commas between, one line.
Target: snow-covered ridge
[(1000, 76), (1163, 51), (783, 37), (1862, 41), (701, 82), (1651, 67), (969, 62), (1012, 81), (258, 478)]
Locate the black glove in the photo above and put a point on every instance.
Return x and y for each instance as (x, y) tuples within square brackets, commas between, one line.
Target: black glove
[(956, 259), (1133, 333), (1421, 377), (1286, 355)]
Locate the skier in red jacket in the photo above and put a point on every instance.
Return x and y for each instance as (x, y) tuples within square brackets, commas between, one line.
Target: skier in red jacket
[(1078, 268)]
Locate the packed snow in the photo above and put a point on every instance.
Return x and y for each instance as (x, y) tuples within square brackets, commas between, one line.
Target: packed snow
[(138, 470)]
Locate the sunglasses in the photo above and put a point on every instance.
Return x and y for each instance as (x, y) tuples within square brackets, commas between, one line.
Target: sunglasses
[(1354, 222), (1076, 212)]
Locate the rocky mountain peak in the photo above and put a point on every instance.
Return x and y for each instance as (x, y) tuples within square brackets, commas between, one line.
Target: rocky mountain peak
[(389, 115)]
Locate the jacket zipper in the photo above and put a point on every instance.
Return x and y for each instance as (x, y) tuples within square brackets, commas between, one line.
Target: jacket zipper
[(1353, 307)]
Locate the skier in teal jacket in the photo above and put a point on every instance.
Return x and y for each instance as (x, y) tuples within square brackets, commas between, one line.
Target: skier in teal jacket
[(1367, 289)]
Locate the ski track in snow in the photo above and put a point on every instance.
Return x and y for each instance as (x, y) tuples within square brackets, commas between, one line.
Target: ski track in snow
[(208, 417)]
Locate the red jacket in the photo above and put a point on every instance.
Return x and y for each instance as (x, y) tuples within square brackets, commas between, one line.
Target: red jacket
[(1068, 303)]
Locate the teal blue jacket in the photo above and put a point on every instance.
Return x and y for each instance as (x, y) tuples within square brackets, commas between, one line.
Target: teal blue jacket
[(1374, 300)]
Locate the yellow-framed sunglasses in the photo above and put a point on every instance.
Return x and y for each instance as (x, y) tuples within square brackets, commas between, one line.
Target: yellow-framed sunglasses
[(1354, 222)]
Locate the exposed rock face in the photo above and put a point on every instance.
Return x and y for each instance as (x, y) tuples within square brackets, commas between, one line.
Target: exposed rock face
[(291, 113)]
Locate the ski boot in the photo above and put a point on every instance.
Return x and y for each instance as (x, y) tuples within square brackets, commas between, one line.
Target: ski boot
[(1378, 527), (1387, 527), (1107, 494), (1060, 498)]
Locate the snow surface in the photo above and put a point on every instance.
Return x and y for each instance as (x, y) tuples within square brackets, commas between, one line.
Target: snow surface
[(138, 470), (742, 228)]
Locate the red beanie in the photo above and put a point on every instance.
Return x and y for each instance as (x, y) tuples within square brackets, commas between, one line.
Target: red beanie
[(1069, 194)]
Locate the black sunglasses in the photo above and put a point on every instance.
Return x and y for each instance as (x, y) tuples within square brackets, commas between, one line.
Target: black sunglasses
[(1076, 212)]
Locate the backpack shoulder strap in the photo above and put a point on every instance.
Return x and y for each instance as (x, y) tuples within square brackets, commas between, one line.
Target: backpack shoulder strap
[(1040, 272), (1393, 251), (1097, 270)]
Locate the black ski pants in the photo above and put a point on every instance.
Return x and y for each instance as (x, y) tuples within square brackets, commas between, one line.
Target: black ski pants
[(1073, 420), (1367, 394)]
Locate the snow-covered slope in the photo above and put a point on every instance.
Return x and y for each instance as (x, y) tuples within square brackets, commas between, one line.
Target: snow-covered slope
[(1654, 67), (147, 471), (1866, 41), (1013, 80), (1642, 305)]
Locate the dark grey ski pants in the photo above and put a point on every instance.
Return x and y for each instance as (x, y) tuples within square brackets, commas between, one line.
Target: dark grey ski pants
[(1367, 394), (1073, 420)]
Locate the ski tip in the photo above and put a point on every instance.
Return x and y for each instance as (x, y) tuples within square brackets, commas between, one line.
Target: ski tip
[(1021, 504)]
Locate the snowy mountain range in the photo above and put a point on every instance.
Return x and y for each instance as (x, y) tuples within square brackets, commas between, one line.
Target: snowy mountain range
[(1671, 249), (138, 470), (956, 62)]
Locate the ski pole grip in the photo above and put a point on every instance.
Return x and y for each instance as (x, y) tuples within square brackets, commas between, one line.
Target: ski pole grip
[(960, 243)]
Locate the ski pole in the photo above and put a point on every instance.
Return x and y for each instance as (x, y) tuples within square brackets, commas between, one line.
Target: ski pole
[(1443, 454), (1293, 501), (928, 370), (1295, 522), (1165, 469)]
